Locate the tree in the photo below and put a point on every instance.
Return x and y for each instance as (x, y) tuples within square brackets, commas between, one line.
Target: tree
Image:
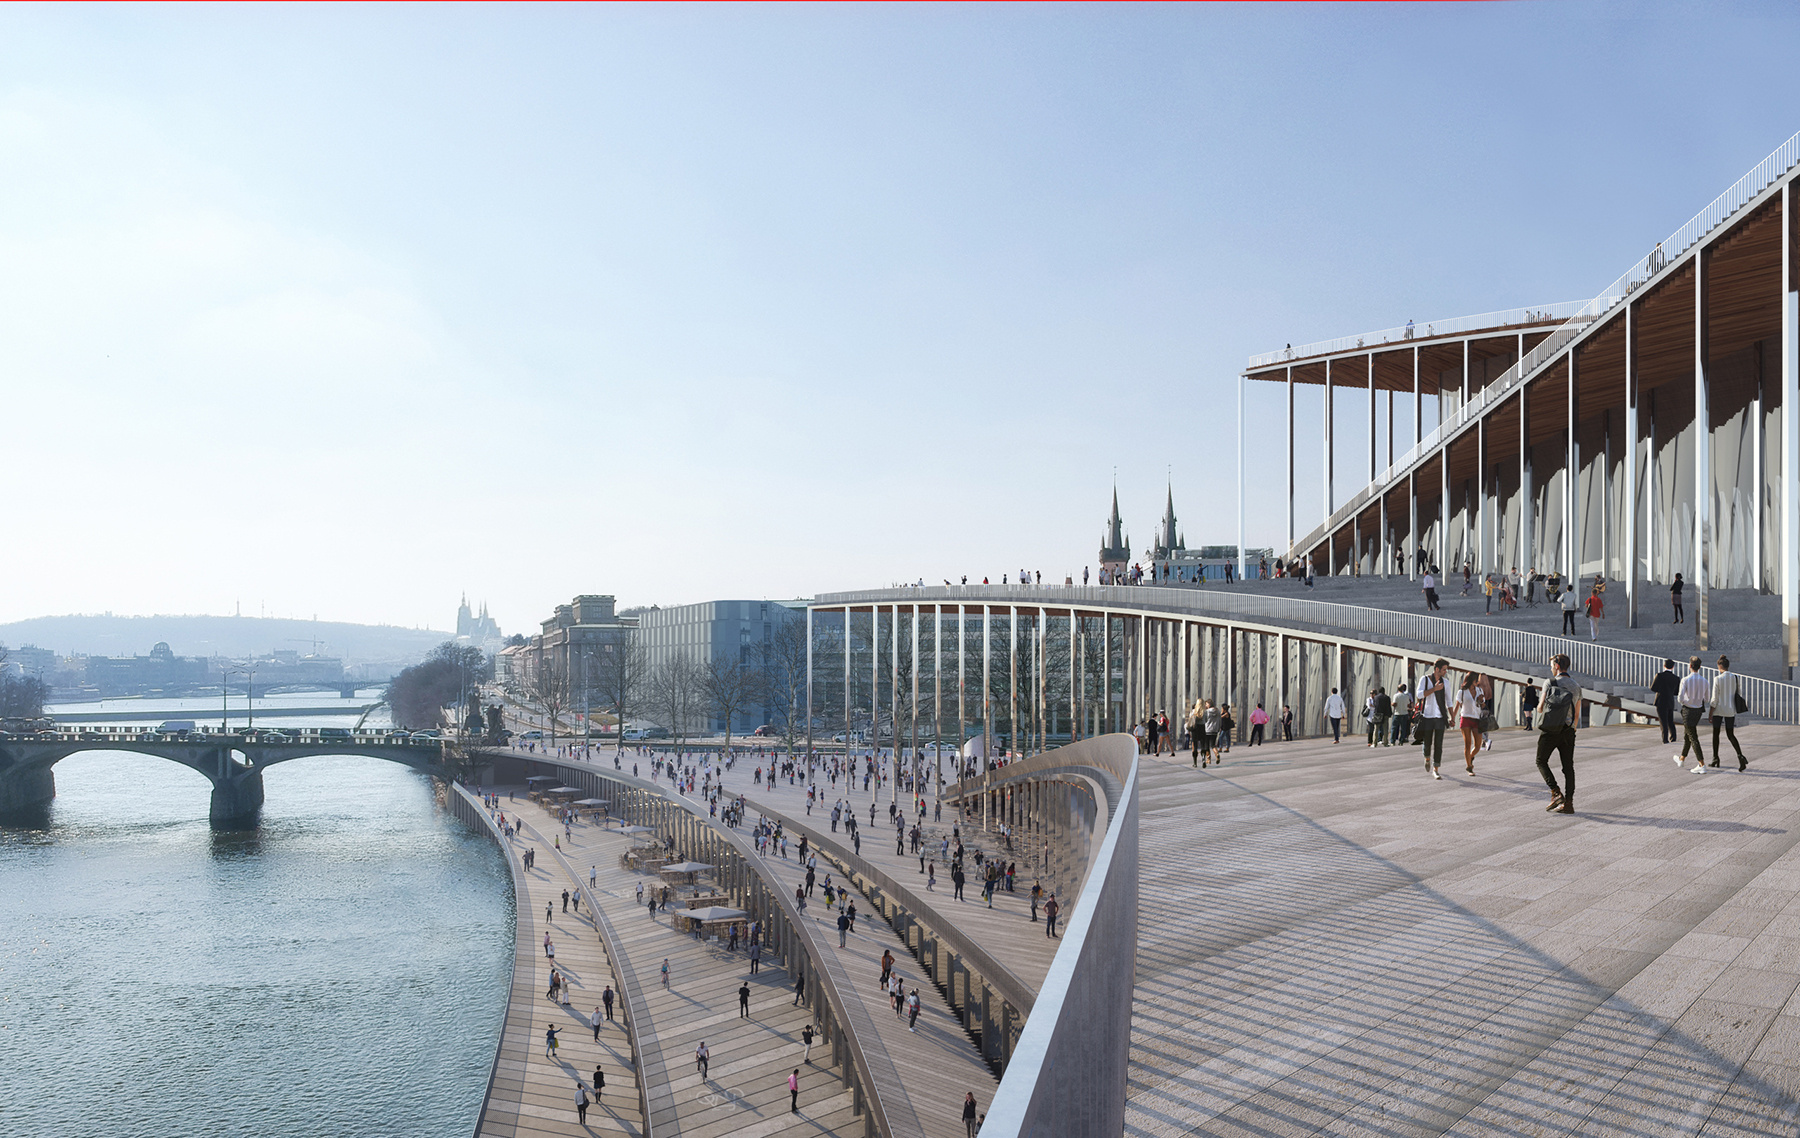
[(782, 661), (21, 697), (449, 677), (621, 679), (729, 688), (550, 688), (673, 693)]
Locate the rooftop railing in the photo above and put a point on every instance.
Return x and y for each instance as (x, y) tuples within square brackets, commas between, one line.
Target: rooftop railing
[(1406, 334)]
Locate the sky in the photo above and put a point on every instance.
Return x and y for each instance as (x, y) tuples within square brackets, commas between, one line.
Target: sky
[(348, 311)]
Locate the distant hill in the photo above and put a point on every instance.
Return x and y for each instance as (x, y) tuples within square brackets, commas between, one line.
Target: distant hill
[(222, 636)]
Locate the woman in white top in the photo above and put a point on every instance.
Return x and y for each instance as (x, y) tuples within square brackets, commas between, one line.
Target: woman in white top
[(1724, 711), (1468, 717)]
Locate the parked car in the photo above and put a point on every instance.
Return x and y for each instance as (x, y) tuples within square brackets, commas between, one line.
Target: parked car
[(765, 731), (334, 732), (425, 736), (532, 735)]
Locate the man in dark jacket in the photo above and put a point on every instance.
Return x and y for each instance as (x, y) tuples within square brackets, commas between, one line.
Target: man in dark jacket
[(1663, 687)]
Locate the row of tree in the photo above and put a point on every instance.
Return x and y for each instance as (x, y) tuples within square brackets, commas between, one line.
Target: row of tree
[(21, 697), (450, 677), (683, 691)]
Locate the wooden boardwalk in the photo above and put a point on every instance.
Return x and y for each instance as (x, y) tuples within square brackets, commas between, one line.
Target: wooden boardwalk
[(533, 1094), (745, 1091)]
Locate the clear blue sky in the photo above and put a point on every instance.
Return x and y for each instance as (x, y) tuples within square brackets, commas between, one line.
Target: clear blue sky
[(346, 310)]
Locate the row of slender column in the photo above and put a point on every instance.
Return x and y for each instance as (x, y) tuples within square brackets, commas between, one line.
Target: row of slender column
[(1481, 520)]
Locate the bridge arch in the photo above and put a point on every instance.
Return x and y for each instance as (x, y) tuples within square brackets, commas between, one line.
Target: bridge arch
[(233, 765)]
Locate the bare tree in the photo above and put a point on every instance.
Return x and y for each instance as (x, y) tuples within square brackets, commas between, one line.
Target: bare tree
[(550, 688), (729, 688), (674, 693), (621, 678), (782, 661)]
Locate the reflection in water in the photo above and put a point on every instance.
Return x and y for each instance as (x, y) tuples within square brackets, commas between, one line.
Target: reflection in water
[(340, 971)]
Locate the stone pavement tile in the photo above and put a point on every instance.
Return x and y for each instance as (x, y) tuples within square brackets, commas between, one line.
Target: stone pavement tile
[(1668, 986), (1609, 966), (1709, 946), (1778, 953), (1635, 902), (1673, 1088), (1764, 1100), (1754, 987), (1644, 932), (1735, 920), (1780, 1044)]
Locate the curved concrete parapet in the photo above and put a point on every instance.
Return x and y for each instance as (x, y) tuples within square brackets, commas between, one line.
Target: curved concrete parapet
[(1068, 1071)]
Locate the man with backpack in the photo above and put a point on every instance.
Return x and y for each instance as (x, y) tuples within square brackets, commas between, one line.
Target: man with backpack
[(1560, 711), (1378, 722)]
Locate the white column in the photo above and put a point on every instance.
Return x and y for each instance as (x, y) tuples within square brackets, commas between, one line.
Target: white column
[(1527, 500), (1702, 454), (1329, 444), (1242, 380), (1482, 514), (937, 696), (1418, 402), (1790, 438), (1632, 552), (1012, 678), (809, 682), (1572, 483), (1372, 433), (1412, 523), (1290, 462)]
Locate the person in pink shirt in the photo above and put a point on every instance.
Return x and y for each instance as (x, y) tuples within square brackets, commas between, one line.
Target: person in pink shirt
[(1258, 718)]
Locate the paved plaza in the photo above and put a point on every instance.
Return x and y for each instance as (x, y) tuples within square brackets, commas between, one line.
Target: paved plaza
[(1333, 942)]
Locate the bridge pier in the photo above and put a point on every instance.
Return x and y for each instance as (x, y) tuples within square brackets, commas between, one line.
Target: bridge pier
[(237, 800), (25, 788)]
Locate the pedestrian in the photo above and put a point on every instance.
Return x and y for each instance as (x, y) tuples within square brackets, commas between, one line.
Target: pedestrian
[(550, 1041), (1468, 717), (794, 1091), (755, 957), (912, 1011), (1727, 701), (1334, 711), (597, 1021), (1287, 723), (599, 1082), (1693, 696), (548, 912), (1258, 720), (1663, 688), (799, 988), (701, 1057), (1596, 612), (1528, 701), (1432, 705), (1675, 599), (843, 923), (1037, 898), (1383, 709), (1569, 606), (968, 1113), (1561, 704), (1401, 734), (565, 900), (581, 1103), (1429, 584), (665, 973), (606, 1000), (1051, 909)]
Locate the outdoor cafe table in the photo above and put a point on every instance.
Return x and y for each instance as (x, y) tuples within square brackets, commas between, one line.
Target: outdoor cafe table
[(699, 919)]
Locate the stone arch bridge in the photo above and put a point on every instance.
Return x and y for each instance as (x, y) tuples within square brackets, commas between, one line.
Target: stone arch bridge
[(232, 763)]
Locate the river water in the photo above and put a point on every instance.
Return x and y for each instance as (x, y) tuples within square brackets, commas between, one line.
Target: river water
[(343, 971)]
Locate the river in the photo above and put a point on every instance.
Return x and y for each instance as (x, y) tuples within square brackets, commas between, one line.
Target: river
[(342, 971)]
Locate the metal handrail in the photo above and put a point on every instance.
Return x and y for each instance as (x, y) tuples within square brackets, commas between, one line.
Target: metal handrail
[(1769, 699), (1394, 337)]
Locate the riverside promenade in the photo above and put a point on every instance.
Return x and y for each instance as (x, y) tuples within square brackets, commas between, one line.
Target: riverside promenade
[(744, 1093)]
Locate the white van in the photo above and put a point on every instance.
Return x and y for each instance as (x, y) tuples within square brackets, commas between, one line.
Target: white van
[(175, 727)]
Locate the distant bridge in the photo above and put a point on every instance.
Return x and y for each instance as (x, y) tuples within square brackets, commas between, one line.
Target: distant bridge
[(232, 763)]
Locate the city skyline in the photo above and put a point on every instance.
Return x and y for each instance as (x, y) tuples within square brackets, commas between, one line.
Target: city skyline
[(533, 302)]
